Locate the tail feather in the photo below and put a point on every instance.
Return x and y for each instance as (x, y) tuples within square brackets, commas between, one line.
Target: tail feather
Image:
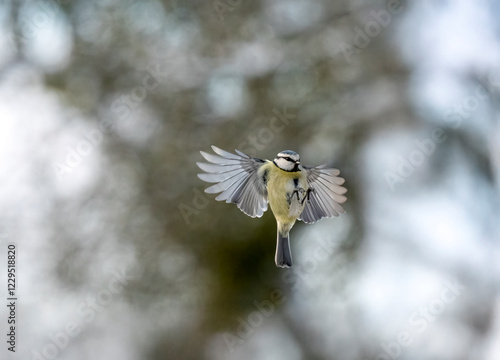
[(283, 253)]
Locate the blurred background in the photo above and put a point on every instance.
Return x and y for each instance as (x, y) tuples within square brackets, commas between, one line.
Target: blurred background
[(105, 105)]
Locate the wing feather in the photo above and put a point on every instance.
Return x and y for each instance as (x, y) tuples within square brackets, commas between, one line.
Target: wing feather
[(218, 159), (226, 184), (212, 168), (213, 178), (224, 153), (326, 194), (242, 154), (327, 205), (236, 179)]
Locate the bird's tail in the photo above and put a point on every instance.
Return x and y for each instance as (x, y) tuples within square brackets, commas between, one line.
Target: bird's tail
[(283, 253)]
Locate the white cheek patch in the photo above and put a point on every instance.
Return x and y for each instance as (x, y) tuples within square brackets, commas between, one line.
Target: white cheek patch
[(285, 164)]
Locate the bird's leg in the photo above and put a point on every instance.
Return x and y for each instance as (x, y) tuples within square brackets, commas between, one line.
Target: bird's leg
[(308, 195), (299, 193)]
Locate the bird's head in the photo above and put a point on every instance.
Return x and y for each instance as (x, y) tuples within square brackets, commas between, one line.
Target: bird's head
[(287, 160)]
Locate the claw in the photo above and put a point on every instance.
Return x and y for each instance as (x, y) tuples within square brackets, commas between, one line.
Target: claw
[(308, 195)]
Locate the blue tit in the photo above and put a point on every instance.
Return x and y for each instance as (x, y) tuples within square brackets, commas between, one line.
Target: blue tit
[(292, 190)]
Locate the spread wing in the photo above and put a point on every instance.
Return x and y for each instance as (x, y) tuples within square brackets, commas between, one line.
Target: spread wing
[(237, 180), (326, 194)]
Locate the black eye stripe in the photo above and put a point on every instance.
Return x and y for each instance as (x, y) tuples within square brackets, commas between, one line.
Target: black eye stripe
[(286, 158)]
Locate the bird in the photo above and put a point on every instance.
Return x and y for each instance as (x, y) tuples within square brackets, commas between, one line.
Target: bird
[(293, 191)]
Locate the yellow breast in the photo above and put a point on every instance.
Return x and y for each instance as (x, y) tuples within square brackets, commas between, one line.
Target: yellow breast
[(280, 187)]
